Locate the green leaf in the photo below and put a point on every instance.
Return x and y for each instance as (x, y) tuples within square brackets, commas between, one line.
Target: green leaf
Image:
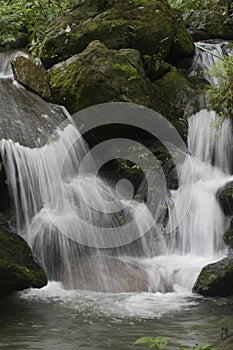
[(144, 340)]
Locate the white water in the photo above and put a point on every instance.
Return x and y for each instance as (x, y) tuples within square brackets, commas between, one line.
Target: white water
[(56, 211)]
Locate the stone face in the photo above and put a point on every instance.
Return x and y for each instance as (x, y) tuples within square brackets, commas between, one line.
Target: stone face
[(205, 24), (228, 235), (225, 198), (33, 77), (148, 26), (18, 270), (216, 279)]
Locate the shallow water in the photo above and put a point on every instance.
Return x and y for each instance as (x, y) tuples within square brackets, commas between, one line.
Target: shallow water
[(52, 318)]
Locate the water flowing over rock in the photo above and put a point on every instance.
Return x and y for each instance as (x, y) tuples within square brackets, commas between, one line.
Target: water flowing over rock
[(148, 26), (24, 116)]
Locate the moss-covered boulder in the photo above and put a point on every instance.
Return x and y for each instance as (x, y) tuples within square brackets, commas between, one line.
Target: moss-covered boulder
[(149, 26), (99, 75), (207, 24), (33, 77), (228, 235), (225, 198), (216, 279), (18, 270)]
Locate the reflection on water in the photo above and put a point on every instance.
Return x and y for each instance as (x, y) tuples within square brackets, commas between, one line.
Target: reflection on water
[(52, 318)]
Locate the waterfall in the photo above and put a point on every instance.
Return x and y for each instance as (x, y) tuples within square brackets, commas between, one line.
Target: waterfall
[(88, 235)]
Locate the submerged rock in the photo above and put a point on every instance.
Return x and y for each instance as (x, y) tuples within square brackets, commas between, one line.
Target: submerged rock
[(18, 270), (225, 198), (216, 279), (33, 77), (205, 24), (148, 26)]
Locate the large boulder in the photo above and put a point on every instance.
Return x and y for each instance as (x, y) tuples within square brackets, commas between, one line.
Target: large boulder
[(148, 26), (18, 270), (225, 198), (216, 279), (33, 77), (205, 24), (99, 75)]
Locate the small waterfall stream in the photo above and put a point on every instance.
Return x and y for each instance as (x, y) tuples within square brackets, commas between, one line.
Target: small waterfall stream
[(53, 205)]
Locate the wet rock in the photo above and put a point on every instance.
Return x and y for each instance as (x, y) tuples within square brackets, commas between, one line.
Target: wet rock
[(33, 77), (25, 117), (228, 235), (148, 26), (216, 279), (225, 344), (205, 24), (18, 270), (225, 198)]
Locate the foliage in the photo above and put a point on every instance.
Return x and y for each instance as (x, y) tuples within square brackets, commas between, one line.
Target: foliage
[(198, 4), (221, 95), (159, 343), (30, 17)]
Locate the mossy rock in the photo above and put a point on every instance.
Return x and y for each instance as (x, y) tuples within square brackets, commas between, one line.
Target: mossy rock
[(205, 24), (99, 75), (216, 279), (225, 198), (18, 270), (149, 26), (228, 235), (33, 77)]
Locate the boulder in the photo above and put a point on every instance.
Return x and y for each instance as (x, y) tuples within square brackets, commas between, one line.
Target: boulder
[(148, 26), (99, 75), (228, 235), (18, 270), (216, 279), (225, 198), (33, 77), (205, 24)]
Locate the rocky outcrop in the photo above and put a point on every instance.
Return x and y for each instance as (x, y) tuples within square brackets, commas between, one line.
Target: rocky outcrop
[(33, 77), (216, 279), (205, 24), (18, 270), (225, 198), (150, 27)]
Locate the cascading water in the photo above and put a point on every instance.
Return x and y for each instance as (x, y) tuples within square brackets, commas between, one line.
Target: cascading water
[(52, 205)]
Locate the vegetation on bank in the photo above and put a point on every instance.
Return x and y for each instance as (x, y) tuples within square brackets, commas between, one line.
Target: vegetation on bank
[(160, 343)]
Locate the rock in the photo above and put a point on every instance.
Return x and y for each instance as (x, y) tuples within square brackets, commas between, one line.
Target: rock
[(20, 108), (174, 97), (225, 198), (99, 75), (148, 26), (225, 344), (216, 279), (19, 41), (228, 235), (33, 77), (205, 24), (18, 270)]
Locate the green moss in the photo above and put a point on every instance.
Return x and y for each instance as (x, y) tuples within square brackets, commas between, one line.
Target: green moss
[(129, 71)]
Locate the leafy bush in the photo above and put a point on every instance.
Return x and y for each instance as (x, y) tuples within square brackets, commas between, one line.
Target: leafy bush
[(197, 4), (221, 96), (30, 16)]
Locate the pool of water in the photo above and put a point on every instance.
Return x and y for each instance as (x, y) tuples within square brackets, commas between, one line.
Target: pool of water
[(53, 318)]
